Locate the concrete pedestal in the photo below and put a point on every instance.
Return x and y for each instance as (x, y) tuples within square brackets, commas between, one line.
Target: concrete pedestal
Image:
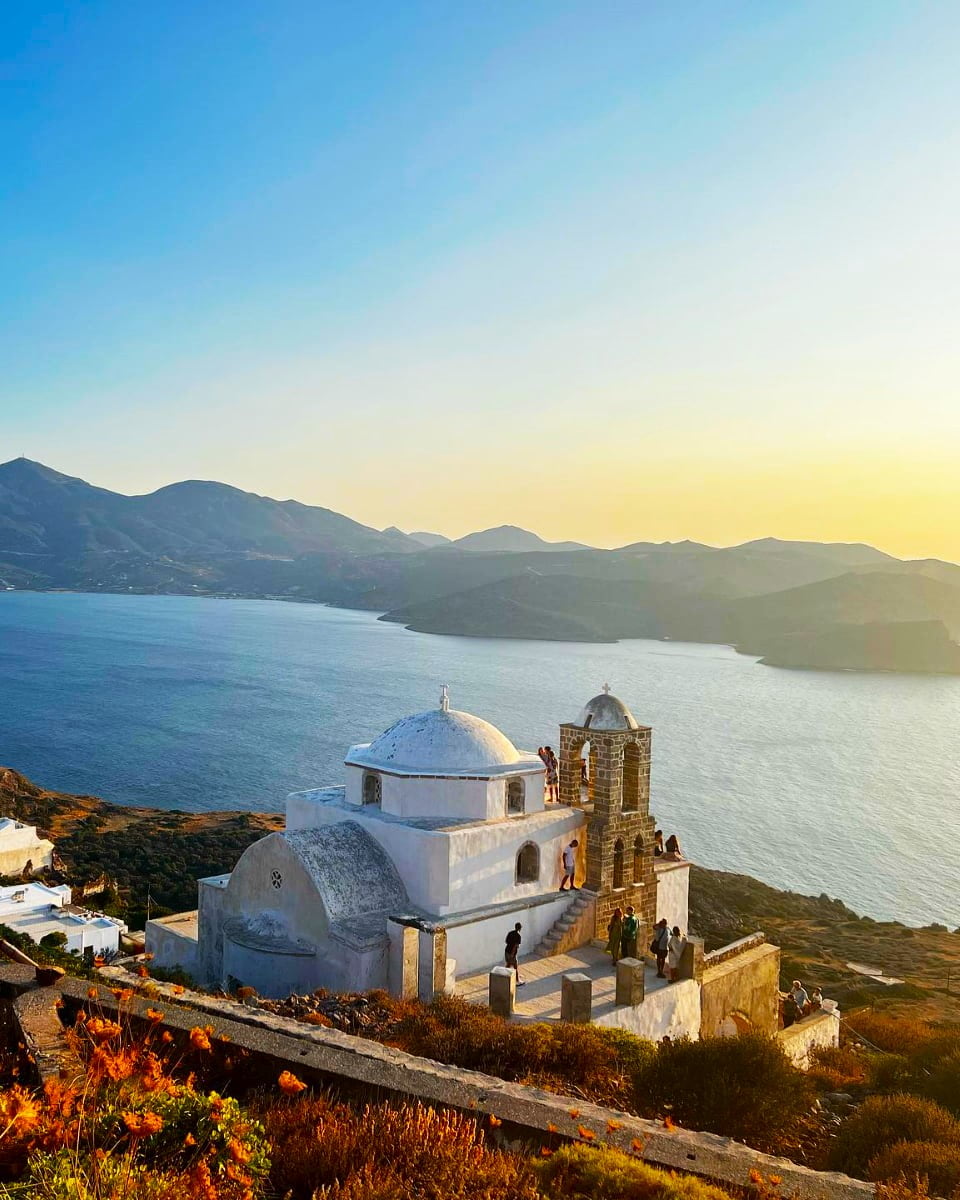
[(432, 972), (630, 982), (503, 991), (576, 998), (403, 965), (691, 961)]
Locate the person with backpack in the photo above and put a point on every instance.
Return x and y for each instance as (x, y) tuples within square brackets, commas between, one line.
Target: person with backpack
[(660, 945), (511, 951), (629, 932)]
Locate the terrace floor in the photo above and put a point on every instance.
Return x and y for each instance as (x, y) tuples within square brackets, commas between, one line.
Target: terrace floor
[(539, 999)]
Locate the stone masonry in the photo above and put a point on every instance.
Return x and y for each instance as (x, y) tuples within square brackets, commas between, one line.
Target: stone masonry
[(620, 862)]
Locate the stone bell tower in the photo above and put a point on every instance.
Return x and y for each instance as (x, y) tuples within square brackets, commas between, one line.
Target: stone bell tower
[(620, 861)]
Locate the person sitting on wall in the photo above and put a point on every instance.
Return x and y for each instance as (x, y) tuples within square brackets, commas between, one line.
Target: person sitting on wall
[(672, 849), (629, 932), (614, 935), (816, 1000), (569, 867), (799, 995), (511, 952), (676, 945), (658, 843), (660, 944)]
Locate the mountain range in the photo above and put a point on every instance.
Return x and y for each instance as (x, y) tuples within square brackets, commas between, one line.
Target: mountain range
[(788, 603)]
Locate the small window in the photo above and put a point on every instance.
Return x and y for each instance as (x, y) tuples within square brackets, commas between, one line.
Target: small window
[(276, 879), (515, 796), (371, 788), (638, 860), (618, 864), (528, 863)]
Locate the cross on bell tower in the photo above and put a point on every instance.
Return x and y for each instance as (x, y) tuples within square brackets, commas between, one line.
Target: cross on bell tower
[(620, 859)]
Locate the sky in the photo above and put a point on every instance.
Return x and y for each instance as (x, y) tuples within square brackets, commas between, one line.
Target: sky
[(611, 271)]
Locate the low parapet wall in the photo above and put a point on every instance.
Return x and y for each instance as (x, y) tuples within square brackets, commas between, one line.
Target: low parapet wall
[(809, 1033), (327, 1057)]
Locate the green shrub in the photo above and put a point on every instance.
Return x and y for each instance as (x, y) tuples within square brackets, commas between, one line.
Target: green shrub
[(603, 1174), (837, 1068), (889, 1073), (743, 1087), (943, 1083), (884, 1120), (939, 1164)]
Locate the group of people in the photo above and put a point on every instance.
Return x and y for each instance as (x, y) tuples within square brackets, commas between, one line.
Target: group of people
[(797, 1003), (550, 762), (669, 850), (667, 945)]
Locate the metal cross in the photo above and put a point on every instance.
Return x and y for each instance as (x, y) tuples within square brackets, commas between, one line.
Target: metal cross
[(606, 689)]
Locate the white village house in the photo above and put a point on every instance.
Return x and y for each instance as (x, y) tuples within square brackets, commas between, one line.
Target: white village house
[(22, 848), (37, 909), (409, 875)]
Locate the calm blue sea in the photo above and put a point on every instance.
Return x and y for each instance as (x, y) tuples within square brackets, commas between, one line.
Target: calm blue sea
[(818, 781)]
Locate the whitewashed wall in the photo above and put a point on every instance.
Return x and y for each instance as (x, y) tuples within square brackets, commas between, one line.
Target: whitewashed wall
[(673, 893), (672, 1011)]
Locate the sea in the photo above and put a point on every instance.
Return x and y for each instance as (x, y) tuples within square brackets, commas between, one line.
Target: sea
[(820, 782)]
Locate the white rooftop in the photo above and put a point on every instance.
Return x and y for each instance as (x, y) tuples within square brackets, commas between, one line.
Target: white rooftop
[(606, 711), (444, 742)]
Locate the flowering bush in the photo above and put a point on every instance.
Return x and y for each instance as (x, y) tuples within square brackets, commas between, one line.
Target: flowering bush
[(127, 1127)]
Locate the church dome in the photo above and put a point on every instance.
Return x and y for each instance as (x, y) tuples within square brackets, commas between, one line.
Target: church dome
[(606, 711), (440, 741)]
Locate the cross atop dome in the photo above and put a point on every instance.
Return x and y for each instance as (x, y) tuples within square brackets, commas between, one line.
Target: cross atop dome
[(444, 699), (606, 689)]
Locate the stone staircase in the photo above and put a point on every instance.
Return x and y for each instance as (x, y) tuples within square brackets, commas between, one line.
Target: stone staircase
[(574, 928)]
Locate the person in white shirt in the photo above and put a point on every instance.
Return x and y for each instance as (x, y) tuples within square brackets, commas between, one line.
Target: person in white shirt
[(569, 867), (675, 948), (800, 998)]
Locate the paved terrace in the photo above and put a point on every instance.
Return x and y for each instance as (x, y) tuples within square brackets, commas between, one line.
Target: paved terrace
[(539, 1000)]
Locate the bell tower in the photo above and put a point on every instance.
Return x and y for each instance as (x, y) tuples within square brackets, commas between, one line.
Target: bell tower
[(620, 860)]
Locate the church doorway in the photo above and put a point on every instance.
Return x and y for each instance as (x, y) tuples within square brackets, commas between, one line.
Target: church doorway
[(528, 863), (372, 789)]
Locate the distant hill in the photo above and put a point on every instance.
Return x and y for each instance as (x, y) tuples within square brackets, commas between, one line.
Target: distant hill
[(430, 539), (511, 538), (788, 603)]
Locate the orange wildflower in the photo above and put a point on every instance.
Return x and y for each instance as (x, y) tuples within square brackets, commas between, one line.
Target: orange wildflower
[(776, 1180), (587, 1134), (189, 1140), (238, 1152), (18, 1109), (142, 1124), (103, 1031), (167, 1036), (92, 993), (545, 1151), (495, 1122), (154, 1014), (143, 972), (199, 1038), (612, 1126), (178, 989), (552, 1129), (574, 1112), (290, 1085), (637, 1146), (755, 1176), (668, 1122)]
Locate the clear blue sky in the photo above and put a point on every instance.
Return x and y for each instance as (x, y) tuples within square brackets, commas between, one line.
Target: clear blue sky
[(610, 270)]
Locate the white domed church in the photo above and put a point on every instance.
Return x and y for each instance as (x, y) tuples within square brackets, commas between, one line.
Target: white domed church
[(409, 874)]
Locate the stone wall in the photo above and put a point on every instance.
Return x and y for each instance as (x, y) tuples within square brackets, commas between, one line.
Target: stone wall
[(365, 1069), (819, 1029), (745, 984)]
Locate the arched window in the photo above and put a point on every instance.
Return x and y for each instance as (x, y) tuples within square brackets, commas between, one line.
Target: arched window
[(371, 788), (515, 796), (638, 860), (528, 863), (618, 863), (631, 777)]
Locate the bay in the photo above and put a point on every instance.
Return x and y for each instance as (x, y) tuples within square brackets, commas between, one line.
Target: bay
[(831, 782)]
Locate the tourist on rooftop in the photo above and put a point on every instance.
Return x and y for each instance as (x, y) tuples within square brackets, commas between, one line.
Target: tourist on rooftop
[(570, 867), (614, 935), (658, 843), (629, 932), (676, 945), (673, 847), (553, 773), (816, 1000), (660, 945), (511, 951), (800, 997)]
